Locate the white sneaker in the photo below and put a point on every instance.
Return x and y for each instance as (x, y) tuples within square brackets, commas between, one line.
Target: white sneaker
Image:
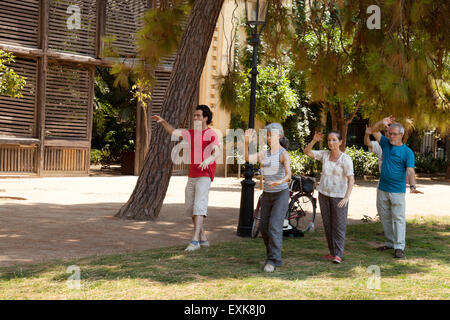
[(269, 267), (192, 247)]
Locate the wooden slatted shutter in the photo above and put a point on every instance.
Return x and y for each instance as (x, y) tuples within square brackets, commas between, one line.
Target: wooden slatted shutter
[(19, 22), (123, 20), (61, 38), (158, 93), (67, 94), (18, 116), (67, 160)]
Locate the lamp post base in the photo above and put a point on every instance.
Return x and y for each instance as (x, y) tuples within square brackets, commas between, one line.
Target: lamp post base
[(244, 228)]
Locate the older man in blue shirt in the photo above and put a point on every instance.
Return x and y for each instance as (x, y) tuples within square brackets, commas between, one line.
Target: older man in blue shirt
[(398, 163)]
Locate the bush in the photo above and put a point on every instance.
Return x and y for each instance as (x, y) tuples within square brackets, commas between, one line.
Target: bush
[(96, 156), (364, 162), (103, 156), (427, 163), (301, 164)]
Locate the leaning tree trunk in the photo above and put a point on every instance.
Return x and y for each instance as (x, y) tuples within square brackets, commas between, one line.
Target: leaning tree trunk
[(148, 195)]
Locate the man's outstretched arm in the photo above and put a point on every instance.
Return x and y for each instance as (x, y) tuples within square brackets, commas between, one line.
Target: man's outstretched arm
[(170, 130)]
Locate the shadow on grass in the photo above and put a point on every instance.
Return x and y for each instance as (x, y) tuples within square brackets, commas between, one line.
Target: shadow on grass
[(427, 243)]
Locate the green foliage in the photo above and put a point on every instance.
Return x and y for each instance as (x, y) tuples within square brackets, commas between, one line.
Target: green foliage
[(159, 38), (427, 163), (364, 162), (298, 125), (114, 118), (227, 91), (236, 122), (96, 156), (11, 84), (103, 156), (401, 69), (301, 164), (275, 99)]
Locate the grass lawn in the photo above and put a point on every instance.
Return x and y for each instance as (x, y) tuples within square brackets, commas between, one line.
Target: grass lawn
[(232, 270)]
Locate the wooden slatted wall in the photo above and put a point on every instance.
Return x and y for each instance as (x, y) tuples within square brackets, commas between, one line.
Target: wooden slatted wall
[(18, 159), (67, 95), (19, 22), (17, 116), (58, 160), (61, 38), (123, 20)]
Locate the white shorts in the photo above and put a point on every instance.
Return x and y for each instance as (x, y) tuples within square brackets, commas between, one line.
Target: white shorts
[(196, 196)]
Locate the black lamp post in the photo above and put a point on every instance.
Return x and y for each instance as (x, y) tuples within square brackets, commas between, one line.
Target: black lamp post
[(255, 11)]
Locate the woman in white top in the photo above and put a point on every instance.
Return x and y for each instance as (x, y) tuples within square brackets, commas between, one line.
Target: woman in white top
[(335, 187)]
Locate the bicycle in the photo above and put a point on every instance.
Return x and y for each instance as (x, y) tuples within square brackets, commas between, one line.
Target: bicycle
[(301, 211)]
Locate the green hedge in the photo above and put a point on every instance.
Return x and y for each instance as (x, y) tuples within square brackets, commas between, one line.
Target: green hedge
[(102, 156), (301, 164), (429, 164), (364, 163)]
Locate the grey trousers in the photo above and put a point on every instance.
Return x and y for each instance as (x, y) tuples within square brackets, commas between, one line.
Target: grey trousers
[(334, 223), (391, 208), (274, 206)]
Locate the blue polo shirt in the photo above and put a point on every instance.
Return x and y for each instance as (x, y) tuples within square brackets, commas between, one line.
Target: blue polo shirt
[(393, 171)]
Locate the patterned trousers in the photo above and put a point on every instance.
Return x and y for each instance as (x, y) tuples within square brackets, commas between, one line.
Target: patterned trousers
[(334, 223)]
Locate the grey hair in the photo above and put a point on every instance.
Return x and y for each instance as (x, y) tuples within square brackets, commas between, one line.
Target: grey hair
[(275, 127), (399, 126)]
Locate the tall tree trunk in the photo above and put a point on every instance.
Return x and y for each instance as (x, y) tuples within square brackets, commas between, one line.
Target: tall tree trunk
[(148, 195)]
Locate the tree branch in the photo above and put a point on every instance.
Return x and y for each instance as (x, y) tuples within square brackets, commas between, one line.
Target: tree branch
[(350, 118)]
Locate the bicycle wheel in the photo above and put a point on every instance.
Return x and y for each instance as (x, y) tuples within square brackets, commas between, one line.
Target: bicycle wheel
[(302, 212), (256, 219)]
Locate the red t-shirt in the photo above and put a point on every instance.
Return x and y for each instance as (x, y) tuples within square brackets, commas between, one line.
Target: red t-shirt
[(206, 139)]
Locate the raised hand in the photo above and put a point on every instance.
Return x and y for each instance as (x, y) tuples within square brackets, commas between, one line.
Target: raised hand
[(157, 118), (318, 136), (368, 130), (248, 135), (388, 120)]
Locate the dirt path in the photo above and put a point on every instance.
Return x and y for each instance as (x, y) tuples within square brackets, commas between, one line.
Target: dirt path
[(73, 217)]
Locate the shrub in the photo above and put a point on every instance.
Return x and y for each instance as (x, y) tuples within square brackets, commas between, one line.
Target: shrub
[(364, 162), (96, 156), (427, 163), (103, 156), (301, 164)]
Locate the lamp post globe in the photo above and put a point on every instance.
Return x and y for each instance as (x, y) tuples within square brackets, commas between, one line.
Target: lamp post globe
[(255, 12)]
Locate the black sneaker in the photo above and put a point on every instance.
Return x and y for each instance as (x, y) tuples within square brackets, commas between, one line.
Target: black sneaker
[(384, 248), (399, 253)]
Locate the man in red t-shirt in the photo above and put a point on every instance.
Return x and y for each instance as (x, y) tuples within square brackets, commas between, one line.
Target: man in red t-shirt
[(204, 150)]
